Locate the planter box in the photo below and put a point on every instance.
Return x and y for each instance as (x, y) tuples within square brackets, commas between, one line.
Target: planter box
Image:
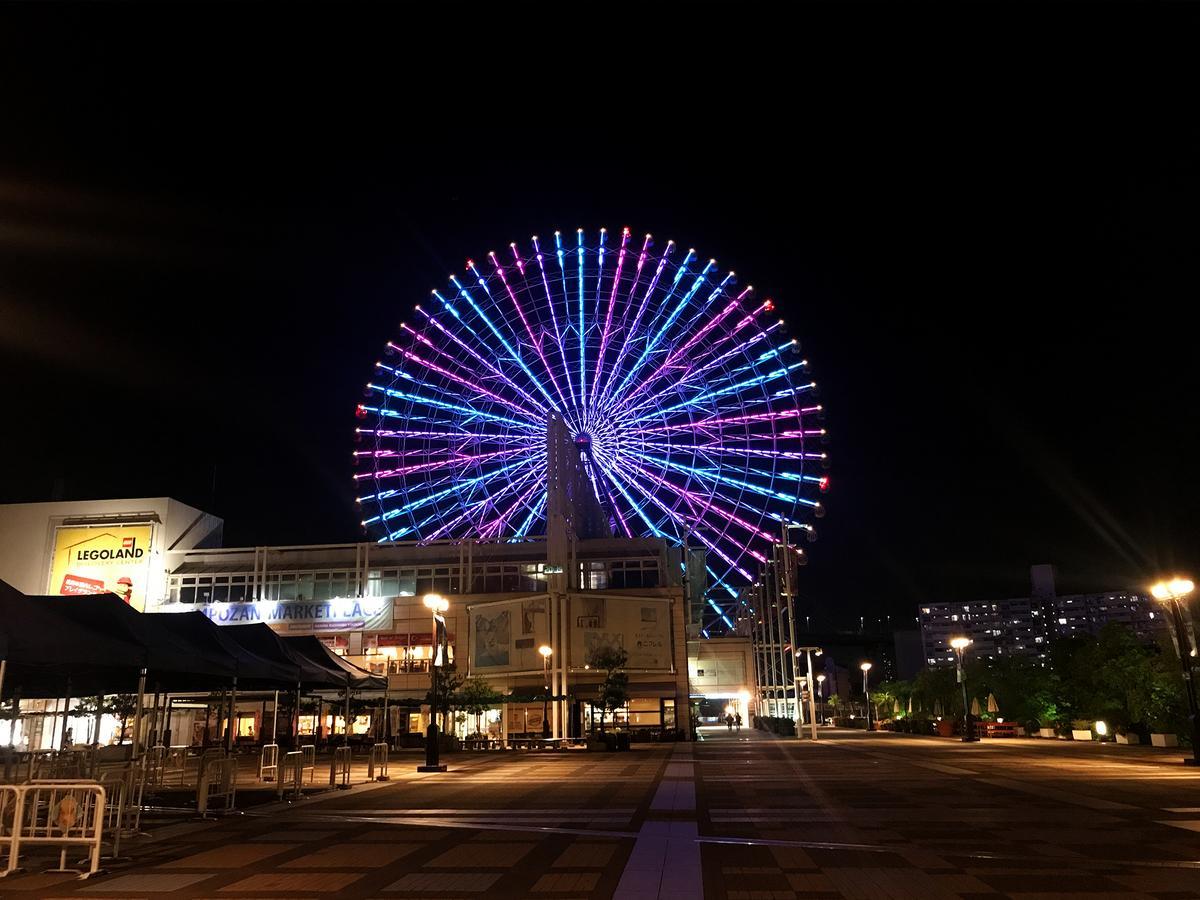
[(1078, 734), (1128, 739), (1164, 740), (1047, 733)]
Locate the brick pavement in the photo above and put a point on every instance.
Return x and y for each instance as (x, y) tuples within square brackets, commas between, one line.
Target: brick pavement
[(740, 817)]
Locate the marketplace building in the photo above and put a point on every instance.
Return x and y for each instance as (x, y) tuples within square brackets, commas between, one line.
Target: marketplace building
[(364, 601)]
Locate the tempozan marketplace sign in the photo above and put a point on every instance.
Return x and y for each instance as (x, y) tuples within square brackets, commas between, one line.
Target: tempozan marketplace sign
[(339, 614)]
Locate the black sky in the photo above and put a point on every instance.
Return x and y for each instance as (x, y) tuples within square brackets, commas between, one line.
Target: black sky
[(981, 223)]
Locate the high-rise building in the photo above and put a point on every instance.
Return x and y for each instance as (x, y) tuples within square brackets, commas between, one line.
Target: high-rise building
[(1025, 626)]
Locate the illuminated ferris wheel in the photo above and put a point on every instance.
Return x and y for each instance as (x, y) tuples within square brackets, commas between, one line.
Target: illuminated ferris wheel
[(694, 414)]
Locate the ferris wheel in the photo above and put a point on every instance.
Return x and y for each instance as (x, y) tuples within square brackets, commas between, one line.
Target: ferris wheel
[(693, 411)]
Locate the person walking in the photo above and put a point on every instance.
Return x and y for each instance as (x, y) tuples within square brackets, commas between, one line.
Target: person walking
[(729, 722), (737, 721)]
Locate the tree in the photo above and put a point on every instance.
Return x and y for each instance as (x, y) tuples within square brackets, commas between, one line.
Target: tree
[(614, 689), (448, 683), (94, 707), (477, 696), (123, 706)]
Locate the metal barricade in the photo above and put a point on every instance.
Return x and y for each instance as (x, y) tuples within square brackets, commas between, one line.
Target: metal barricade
[(61, 813), (339, 768), (268, 763), (378, 760), (309, 755), (177, 758), (156, 762), (10, 817), (216, 790), (292, 771)]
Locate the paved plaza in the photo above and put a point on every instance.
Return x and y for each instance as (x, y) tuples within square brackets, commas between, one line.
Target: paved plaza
[(735, 816)]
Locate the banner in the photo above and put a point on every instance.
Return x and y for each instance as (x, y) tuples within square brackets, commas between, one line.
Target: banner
[(505, 636), (639, 625), (103, 559), (307, 616)]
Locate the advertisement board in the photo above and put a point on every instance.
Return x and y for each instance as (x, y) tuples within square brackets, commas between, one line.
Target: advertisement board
[(639, 625), (505, 636), (103, 559)]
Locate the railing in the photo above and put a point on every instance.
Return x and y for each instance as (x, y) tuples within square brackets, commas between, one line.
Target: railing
[(156, 764), (309, 756), (217, 788), (339, 768), (268, 763), (997, 729), (61, 813), (378, 760)]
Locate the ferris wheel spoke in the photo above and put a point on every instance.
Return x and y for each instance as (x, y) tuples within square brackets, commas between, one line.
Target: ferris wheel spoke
[(432, 320), (632, 331), (562, 348), (536, 342), (705, 363)]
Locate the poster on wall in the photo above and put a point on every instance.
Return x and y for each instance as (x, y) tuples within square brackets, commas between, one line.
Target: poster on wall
[(639, 625), (505, 635), (107, 559)]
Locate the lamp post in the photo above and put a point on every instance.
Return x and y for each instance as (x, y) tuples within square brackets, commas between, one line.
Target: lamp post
[(812, 712), (437, 605), (960, 645), (546, 653), (866, 667), (821, 691), (1173, 594)]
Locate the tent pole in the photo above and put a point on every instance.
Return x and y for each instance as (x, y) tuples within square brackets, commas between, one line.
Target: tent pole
[(386, 720), (153, 731), (167, 719), (346, 718), (232, 713), (275, 719), (16, 714), (296, 721), (62, 741), (137, 715), (3, 667)]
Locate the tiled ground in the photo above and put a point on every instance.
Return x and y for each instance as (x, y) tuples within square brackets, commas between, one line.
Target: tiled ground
[(855, 816)]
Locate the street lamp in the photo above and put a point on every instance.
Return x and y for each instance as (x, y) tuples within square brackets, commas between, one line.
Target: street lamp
[(960, 645), (546, 651), (437, 605), (866, 667), (812, 712), (1173, 594), (821, 691)]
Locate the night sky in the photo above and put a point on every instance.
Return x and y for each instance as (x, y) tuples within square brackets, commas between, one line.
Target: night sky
[(983, 231)]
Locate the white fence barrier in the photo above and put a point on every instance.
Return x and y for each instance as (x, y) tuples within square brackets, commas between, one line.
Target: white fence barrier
[(61, 813), (291, 773), (339, 768), (309, 756), (216, 790), (378, 763), (10, 817), (268, 763)]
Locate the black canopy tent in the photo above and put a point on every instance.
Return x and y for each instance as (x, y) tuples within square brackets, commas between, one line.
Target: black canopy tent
[(259, 639), (255, 671), (41, 648), (356, 677)]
